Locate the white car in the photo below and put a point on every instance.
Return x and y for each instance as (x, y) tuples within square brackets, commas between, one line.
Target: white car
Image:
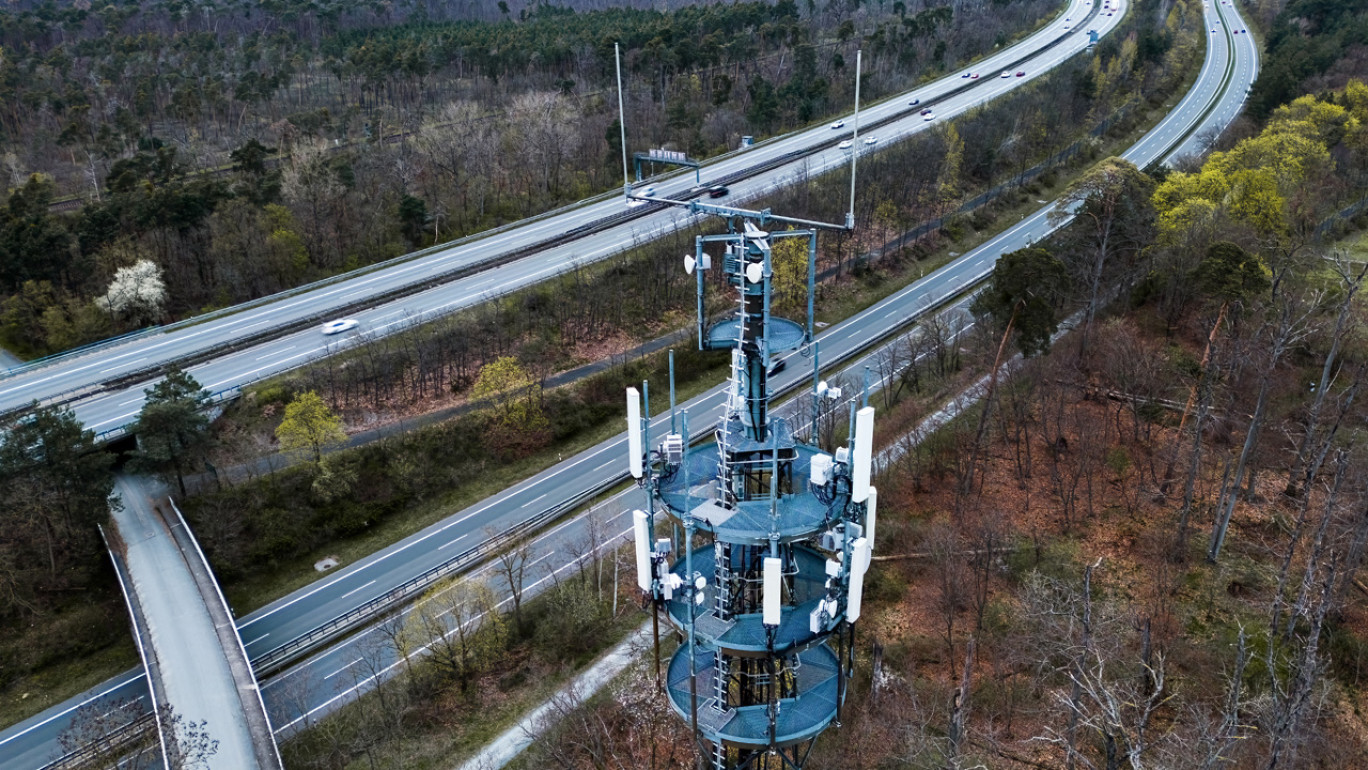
[(846, 145), (928, 115), (871, 140), (340, 325), (1005, 74), (838, 124)]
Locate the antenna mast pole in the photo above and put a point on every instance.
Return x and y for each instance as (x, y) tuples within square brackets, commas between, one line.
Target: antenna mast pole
[(622, 124), (855, 151)]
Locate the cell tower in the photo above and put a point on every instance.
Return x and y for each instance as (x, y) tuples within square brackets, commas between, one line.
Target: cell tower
[(766, 583)]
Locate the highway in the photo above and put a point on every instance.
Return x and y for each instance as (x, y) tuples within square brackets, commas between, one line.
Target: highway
[(81, 380), (29, 744)]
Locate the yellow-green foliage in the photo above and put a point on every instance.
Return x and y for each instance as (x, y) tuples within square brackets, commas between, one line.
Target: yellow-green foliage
[(309, 424), (1251, 183)]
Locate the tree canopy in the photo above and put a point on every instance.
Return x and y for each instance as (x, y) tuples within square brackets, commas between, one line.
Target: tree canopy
[(517, 420), (172, 429), (309, 424), (57, 483), (1024, 294)]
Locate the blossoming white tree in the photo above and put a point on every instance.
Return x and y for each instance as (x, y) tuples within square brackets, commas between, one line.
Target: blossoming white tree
[(137, 292)]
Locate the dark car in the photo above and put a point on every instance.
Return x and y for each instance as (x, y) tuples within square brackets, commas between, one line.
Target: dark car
[(717, 191), (777, 367)]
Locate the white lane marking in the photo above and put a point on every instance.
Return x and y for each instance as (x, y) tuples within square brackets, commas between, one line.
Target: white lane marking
[(275, 353), (453, 542), (344, 668), (254, 641), (120, 366), (354, 590)]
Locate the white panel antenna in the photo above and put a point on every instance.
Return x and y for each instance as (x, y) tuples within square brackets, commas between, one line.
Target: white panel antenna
[(870, 517), (634, 431), (859, 557), (864, 446), (774, 576), (643, 549)]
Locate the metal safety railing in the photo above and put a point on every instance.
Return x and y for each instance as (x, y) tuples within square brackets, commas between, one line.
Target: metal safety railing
[(414, 587), (114, 744)]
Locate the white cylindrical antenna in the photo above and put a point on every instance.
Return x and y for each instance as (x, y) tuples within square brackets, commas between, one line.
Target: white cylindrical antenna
[(870, 517), (859, 556), (643, 549), (860, 462), (622, 121), (634, 431), (855, 150), (774, 587)]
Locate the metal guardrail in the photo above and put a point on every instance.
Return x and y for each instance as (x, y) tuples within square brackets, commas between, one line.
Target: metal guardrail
[(405, 592), (268, 756), (136, 620), (215, 398), (40, 363), (115, 742)]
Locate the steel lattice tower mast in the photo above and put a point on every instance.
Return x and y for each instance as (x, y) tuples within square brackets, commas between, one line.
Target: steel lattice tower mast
[(766, 583)]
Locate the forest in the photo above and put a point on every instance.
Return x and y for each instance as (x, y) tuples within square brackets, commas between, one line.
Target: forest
[(218, 153)]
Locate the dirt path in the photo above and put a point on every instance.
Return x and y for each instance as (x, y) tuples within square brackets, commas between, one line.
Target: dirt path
[(512, 741)]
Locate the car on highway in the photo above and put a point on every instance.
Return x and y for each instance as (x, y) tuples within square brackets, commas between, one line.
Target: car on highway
[(777, 367), (928, 115), (915, 102), (340, 325), (717, 191), (846, 145), (871, 140), (1005, 74), (1021, 73), (838, 124), (967, 75), (974, 76)]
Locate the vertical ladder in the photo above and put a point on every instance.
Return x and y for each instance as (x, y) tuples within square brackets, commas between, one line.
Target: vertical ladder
[(721, 680), (722, 579), (719, 757)]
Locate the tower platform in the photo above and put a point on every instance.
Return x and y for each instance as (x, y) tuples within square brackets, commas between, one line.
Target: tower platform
[(798, 719), (745, 634)]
